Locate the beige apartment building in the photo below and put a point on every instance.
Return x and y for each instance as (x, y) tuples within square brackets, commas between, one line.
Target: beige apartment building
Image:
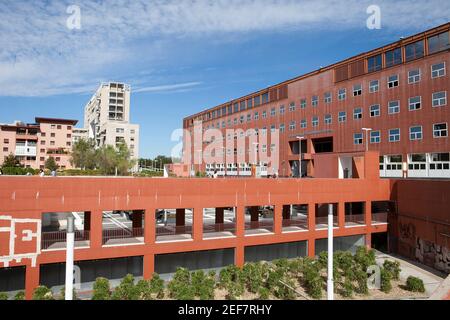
[(107, 118)]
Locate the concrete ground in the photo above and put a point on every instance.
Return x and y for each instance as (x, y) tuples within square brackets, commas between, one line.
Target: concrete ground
[(432, 279)]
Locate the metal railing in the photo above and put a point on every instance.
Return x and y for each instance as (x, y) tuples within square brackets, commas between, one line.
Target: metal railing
[(50, 238), (219, 227), (252, 225), (324, 221), (295, 222), (355, 219), (380, 217), (172, 230), (121, 233)]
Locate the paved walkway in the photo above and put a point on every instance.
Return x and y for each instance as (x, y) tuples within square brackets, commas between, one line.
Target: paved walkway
[(432, 279)]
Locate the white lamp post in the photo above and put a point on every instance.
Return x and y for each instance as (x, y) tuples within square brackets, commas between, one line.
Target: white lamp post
[(367, 130), (300, 138), (69, 257), (330, 282)]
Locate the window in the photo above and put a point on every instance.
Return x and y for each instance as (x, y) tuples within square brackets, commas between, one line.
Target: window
[(273, 112), (393, 81), (265, 98), (394, 135), (303, 124), (292, 106), (357, 90), (414, 76), (342, 94), (120, 130), (42, 142), (357, 113), (393, 57), (292, 126), (314, 101), (6, 141), (242, 106), (394, 107), (415, 103), (439, 99), (241, 119), (58, 127), (53, 126), (440, 130), (315, 121), (249, 118), (375, 110), (375, 137), (415, 133), (257, 101), (342, 116), (42, 134), (281, 109), (272, 128), (358, 138), (264, 114), (256, 116), (235, 107), (264, 131), (235, 121), (327, 97), (69, 136), (5, 149), (303, 104), (249, 103), (374, 63), (414, 51), (438, 70), (52, 143), (282, 128), (374, 86), (328, 119), (438, 43)]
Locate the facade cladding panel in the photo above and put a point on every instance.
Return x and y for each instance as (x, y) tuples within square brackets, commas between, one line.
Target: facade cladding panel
[(276, 251), (341, 244)]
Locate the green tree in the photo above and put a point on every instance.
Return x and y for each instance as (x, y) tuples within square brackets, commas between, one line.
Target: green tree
[(83, 154), (19, 296), (3, 296), (51, 164), (386, 277), (42, 293), (126, 290), (415, 284), (11, 162), (102, 289)]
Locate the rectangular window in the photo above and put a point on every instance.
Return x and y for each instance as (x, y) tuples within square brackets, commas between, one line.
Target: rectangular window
[(342, 94), (415, 103), (242, 106), (394, 107), (249, 103), (357, 90), (264, 114), (439, 99), (358, 138), (415, 133), (273, 112), (393, 81), (257, 101), (440, 130), (375, 137), (314, 101), (249, 117), (438, 43), (230, 109), (256, 115), (438, 70), (241, 119), (374, 86), (375, 111), (393, 57), (272, 128), (292, 107), (394, 135), (374, 63), (265, 98), (282, 110), (342, 116), (303, 104), (236, 107), (327, 97), (282, 128), (357, 113), (264, 131), (303, 124), (328, 119), (315, 121), (414, 76), (292, 126), (414, 51)]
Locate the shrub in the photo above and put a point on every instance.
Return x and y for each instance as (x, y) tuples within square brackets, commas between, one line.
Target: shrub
[(180, 287), (393, 267), (254, 276), (361, 278), (102, 289), (42, 293), (143, 290), (235, 290), (157, 286), (347, 288), (203, 285), (415, 284), (313, 281), (62, 294), (18, 171), (264, 293), (229, 275), (364, 258), (126, 290), (20, 295), (386, 277), (3, 296)]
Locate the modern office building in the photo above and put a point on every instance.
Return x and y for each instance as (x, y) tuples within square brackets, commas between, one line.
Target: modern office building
[(392, 99), (107, 118), (33, 144)]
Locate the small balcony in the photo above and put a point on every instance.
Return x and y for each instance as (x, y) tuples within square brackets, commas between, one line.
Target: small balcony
[(57, 240), (122, 228)]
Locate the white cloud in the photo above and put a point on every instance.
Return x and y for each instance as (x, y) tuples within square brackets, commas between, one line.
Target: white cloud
[(39, 56), (169, 88)]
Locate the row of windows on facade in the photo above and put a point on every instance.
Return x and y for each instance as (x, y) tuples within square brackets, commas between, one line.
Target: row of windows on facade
[(439, 99), (440, 130), (122, 130), (392, 58)]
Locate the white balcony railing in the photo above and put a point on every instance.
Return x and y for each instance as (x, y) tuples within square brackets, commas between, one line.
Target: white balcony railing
[(26, 151)]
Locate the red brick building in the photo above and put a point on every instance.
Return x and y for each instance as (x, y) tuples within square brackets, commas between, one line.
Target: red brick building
[(399, 91)]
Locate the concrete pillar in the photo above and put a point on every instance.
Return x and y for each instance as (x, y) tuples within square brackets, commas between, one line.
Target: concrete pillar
[(31, 280), (254, 213), (369, 240), (240, 222), (239, 259), (368, 212), (311, 247), (96, 229), (149, 266), (286, 212), (198, 224), (180, 217), (137, 219), (311, 216), (341, 214), (150, 225), (220, 215), (278, 219)]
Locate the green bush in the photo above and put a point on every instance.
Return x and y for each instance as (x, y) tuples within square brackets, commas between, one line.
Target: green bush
[(126, 290), (180, 287), (157, 286), (313, 281), (42, 293), (18, 171), (364, 258), (264, 293), (393, 267), (347, 288), (102, 289), (62, 294), (3, 296), (235, 290), (415, 284), (20, 295), (254, 275), (77, 172), (203, 284), (230, 274), (386, 277), (360, 276)]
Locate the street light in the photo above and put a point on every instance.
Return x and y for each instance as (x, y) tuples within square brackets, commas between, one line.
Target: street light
[(300, 138), (367, 130)]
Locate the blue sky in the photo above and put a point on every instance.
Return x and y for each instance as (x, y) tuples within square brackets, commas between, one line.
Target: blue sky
[(180, 56)]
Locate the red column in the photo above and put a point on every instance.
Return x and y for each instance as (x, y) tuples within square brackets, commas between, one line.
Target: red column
[(341, 214), (254, 213), (198, 224), (219, 215), (149, 266), (277, 219), (150, 225), (96, 229), (368, 213), (180, 217), (311, 216), (240, 222), (311, 247), (31, 280), (239, 259)]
